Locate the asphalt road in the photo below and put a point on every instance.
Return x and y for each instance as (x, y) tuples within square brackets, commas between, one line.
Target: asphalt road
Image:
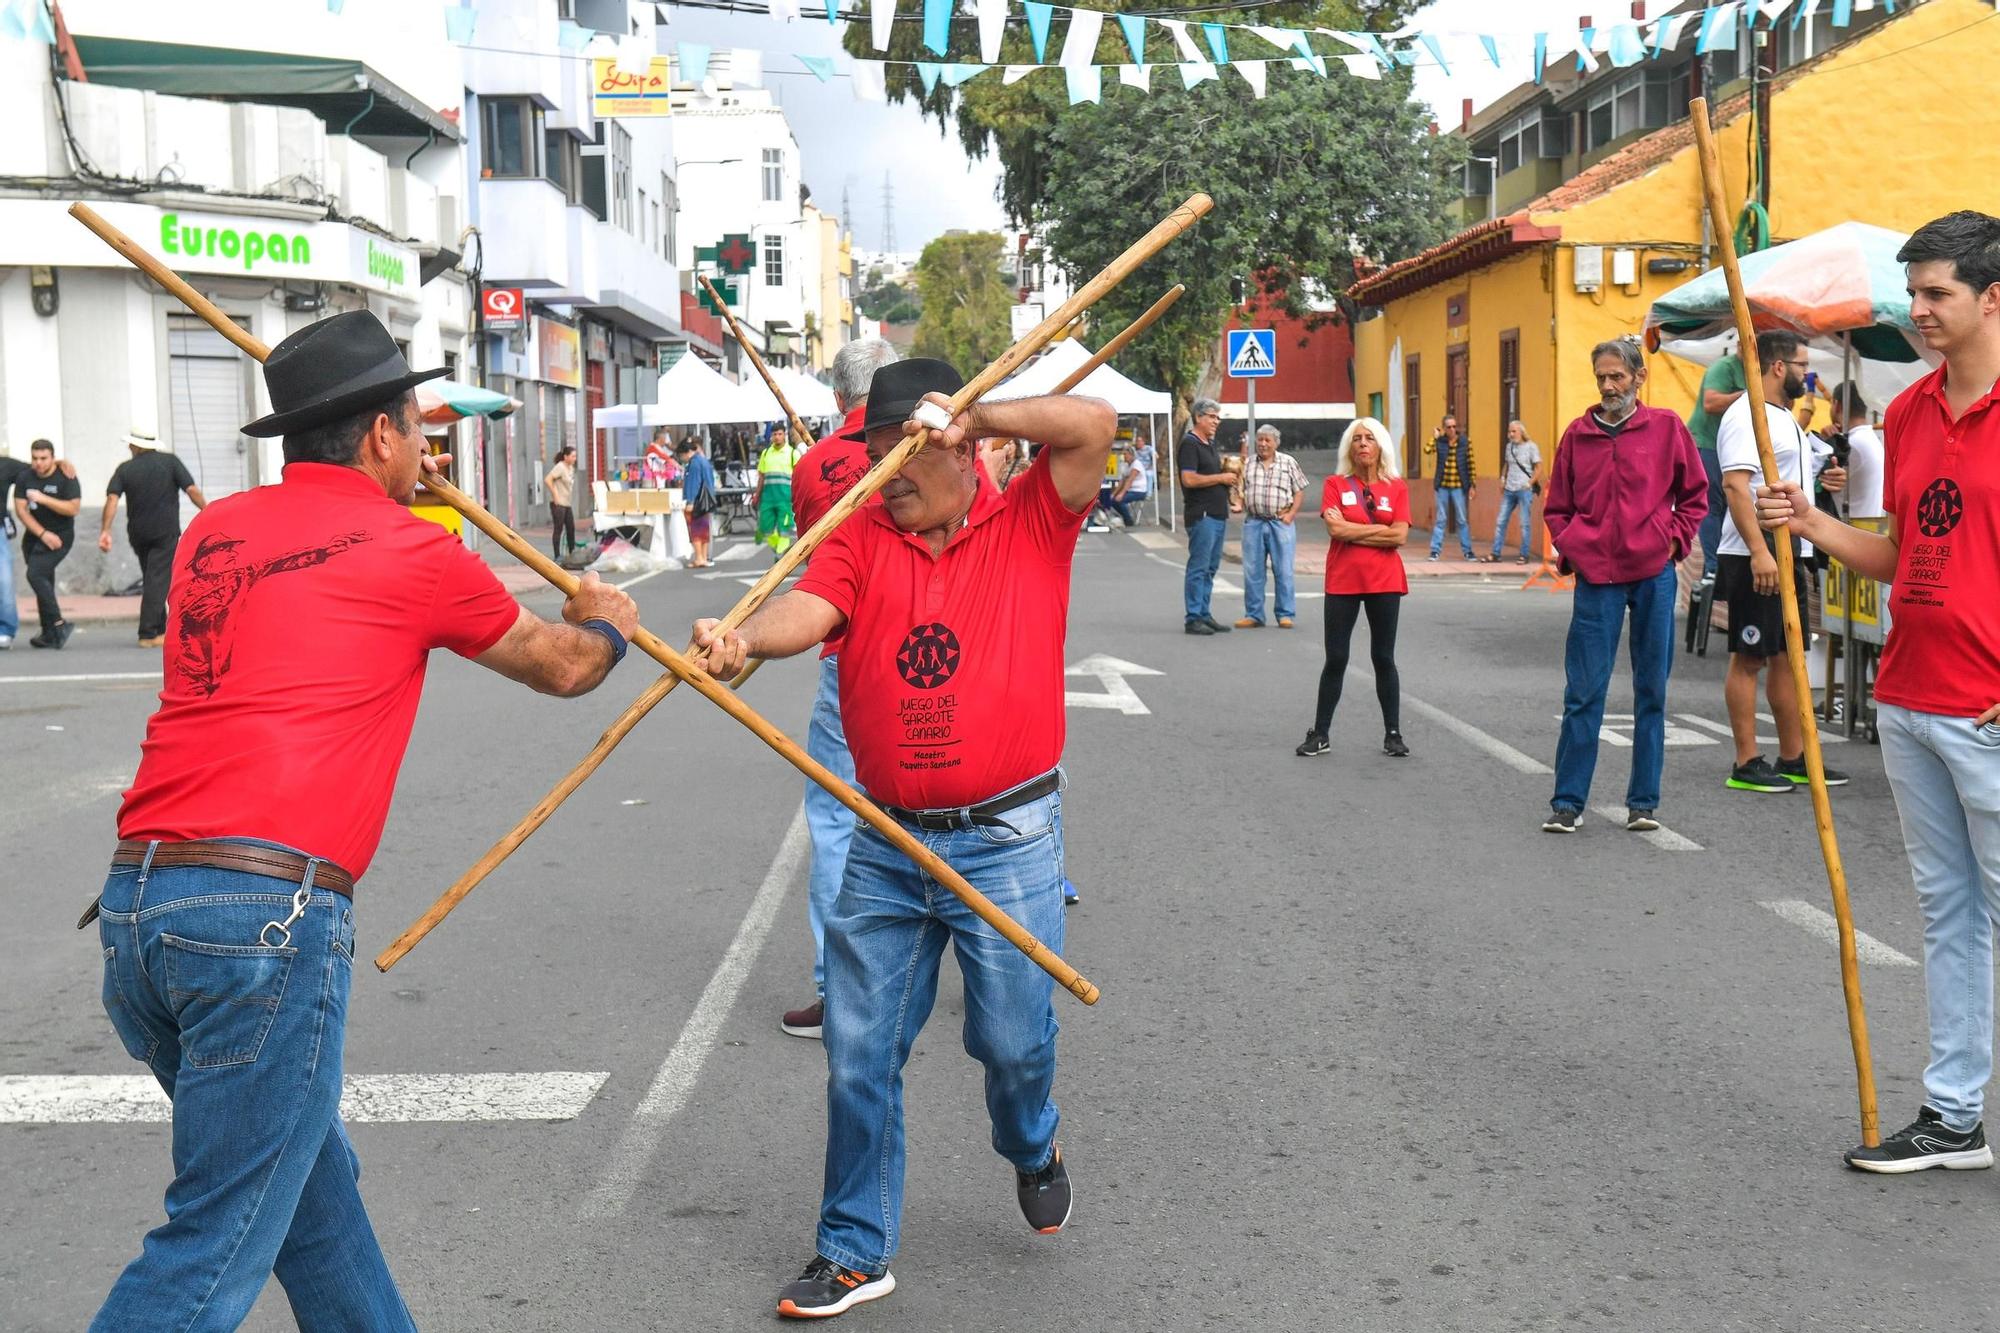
[(1373, 1051)]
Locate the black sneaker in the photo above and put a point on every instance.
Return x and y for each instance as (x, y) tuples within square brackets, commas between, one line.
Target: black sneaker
[(1640, 821), (1924, 1144), (1561, 821), (1393, 746), (826, 1289), (1312, 746), (1758, 775), (1198, 627), (1794, 771), (1216, 626), (64, 629), (1045, 1196)]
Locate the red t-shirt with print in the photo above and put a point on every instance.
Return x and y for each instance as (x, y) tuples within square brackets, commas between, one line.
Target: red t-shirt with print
[(298, 628), (1941, 481), (1352, 569), (951, 666)]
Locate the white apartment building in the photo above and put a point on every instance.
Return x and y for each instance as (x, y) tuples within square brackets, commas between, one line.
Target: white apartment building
[(286, 190), (580, 215)]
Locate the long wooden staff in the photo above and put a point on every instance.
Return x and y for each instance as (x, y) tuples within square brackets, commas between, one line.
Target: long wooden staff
[(805, 436), (622, 726), (1795, 643)]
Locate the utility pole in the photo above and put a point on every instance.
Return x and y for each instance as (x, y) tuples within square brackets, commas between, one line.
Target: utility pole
[(888, 214)]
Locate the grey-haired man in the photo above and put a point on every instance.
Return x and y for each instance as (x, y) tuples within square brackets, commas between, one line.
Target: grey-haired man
[(1205, 494)]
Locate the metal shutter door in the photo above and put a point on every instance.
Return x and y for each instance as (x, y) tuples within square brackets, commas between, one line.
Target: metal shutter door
[(210, 401)]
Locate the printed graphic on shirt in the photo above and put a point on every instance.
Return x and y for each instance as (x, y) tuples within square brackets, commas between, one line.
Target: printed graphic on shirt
[(841, 472), (929, 656), (1939, 510), (1941, 507), (216, 584)]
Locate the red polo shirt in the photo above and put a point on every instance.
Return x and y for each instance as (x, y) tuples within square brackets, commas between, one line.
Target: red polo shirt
[(828, 471), (1350, 569), (1941, 481), (951, 669), (298, 627)]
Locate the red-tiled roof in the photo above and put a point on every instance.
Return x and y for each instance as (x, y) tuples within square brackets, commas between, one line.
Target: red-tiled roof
[(1475, 247)]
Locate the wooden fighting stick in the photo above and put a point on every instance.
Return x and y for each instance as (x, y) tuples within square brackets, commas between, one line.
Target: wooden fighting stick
[(797, 426), (660, 651), (1795, 643)]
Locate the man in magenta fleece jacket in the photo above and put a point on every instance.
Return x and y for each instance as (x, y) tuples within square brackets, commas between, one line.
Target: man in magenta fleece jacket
[(1627, 495)]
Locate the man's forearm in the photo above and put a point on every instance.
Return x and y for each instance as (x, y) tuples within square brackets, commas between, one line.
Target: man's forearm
[(1742, 508), (1057, 422), (1869, 554), (786, 626), (110, 510)]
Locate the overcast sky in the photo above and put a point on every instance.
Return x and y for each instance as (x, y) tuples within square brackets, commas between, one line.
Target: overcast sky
[(849, 144)]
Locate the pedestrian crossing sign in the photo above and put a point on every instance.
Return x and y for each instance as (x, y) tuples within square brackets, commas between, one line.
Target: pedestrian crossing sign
[(1253, 354)]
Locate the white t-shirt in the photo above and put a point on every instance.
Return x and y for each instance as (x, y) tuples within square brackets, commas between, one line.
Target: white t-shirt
[(1864, 472), (1736, 451)]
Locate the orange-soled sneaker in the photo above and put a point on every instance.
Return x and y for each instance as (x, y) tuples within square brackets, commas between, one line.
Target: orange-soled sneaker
[(1045, 1196), (826, 1289)]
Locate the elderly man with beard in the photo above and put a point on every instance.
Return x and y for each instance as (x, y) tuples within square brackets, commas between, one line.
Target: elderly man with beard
[(952, 601), (1626, 498)]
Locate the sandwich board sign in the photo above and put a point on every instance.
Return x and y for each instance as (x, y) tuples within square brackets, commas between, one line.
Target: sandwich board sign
[(1253, 354)]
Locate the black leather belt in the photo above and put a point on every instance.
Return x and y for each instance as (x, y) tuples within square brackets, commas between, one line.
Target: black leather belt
[(984, 815)]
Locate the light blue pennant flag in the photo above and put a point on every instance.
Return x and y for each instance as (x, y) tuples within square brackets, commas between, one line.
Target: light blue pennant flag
[(1541, 55), (1627, 47), (1843, 13), (1492, 50), (1437, 52), (1134, 28), (572, 36), (937, 25), (1584, 60), (929, 71), (692, 57), (1039, 15), (957, 74), (821, 66), (1218, 41), (1086, 83), (458, 23), (1718, 30)]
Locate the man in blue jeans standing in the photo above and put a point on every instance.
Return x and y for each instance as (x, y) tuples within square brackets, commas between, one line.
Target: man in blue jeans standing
[(1205, 504), (1273, 485), (1627, 496), (952, 600), (1453, 483), (303, 616)]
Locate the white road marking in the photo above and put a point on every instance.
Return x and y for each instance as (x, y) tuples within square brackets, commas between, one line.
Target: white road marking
[(1722, 729), (1821, 925), (675, 1080), (1154, 541), (1230, 586), (90, 676), (1616, 730), (1110, 672), (741, 551), (64, 1099), (635, 582), (1662, 837)]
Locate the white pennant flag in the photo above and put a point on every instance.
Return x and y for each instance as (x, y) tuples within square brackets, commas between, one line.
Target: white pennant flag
[(1362, 67), (1080, 43), (992, 26), (1253, 74), (1195, 71), (1015, 73), (1316, 65), (881, 21), (783, 9), (746, 67), (1277, 37), (1772, 10), (635, 54), (870, 81), (1677, 26), (1136, 76), (1190, 53)]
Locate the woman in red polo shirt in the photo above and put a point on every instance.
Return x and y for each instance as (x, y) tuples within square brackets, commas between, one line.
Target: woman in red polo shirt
[(1367, 513)]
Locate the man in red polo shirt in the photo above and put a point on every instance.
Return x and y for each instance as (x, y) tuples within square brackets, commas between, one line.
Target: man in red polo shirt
[(829, 471), (1937, 691), (300, 620), (953, 601)]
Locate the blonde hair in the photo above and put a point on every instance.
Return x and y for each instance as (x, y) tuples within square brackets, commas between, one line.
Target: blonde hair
[(1385, 448)]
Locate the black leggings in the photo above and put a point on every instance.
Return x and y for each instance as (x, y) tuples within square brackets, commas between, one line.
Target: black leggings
[(565, 525), (1341, 612)]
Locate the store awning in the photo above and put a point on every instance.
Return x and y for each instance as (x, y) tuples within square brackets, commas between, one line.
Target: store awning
[(349, 96)]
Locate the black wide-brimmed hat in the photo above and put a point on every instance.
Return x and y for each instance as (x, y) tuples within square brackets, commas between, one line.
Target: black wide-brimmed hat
[(333, 369), (899, 386)]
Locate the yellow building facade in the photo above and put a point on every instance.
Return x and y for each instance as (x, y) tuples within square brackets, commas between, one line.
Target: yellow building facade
[(1499, 320)]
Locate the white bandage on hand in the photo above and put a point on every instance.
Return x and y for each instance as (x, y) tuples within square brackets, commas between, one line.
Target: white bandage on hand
[(931, 415)]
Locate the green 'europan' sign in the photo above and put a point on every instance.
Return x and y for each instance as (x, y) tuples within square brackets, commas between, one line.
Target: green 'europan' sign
[(252, 247)]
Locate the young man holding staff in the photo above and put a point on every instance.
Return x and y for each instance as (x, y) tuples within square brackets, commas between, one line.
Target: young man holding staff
[(1937, 690), (952, 601)]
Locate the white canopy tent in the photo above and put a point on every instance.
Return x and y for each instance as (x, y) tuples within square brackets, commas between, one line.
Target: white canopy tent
[(691, 394), (1127, 398)]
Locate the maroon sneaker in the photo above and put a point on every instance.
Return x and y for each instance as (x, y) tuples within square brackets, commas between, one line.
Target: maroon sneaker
[(805, 1022)]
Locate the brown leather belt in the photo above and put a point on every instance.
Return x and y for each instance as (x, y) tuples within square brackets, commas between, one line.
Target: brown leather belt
[(246, 857)]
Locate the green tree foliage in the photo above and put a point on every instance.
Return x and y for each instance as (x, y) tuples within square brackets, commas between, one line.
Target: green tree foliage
[(1319, 172), (891, 302), (1015, 121), (965, 303)]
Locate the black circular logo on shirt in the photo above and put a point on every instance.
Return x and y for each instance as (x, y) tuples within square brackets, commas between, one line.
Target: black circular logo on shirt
[(929, 656), (1941, 507)]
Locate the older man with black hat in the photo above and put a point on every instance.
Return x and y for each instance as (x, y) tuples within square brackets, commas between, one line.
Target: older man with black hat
[(296, 644), (952, 600)]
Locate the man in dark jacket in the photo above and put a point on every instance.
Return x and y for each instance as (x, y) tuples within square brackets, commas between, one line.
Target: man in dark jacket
[(1627, 495), (1451, 480)]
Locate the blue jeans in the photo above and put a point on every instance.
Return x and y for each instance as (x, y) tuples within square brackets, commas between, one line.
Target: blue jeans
[(242, 1024), (1451, 499), (1511, 503), (829, 823), (10, 615), (1945, 773), (1596, 618), (1267, 537), (1711, 524), (884, 939), (1204, 558)]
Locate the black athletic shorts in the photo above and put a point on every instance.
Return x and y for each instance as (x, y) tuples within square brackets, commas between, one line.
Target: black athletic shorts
[(1756, 621)]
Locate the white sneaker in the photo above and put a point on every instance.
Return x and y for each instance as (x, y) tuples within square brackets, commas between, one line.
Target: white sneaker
[(6, 642)]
